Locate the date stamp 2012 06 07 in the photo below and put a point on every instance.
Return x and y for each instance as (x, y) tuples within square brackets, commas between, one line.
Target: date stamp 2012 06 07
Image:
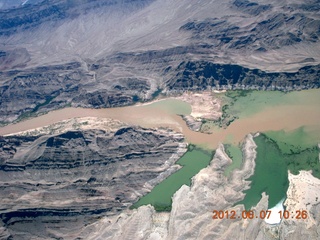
[(263, 214)]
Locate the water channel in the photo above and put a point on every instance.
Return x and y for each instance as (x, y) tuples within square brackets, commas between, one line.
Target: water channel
[(270, 112)]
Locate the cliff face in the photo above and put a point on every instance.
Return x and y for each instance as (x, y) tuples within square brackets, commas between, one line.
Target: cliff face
[(115, 53), (108, 53), (191, 214), (192, 208), (27, 93), (201, 75), (69, 180)]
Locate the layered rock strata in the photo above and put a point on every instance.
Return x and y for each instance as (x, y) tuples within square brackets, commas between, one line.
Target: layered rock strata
[(51, 186), (191, 214), (50, 60)]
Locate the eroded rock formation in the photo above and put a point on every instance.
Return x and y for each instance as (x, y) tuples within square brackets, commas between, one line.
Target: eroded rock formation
[(191, 214), (54, 185), (62, 53)]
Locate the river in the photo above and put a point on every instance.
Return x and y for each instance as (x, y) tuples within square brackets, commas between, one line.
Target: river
[(285, 116)]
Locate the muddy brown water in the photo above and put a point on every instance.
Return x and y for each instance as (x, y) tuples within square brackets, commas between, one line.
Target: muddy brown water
[(287, 117)]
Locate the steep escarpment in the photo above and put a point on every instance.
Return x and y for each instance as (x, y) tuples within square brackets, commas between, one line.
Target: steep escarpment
[(107, 53), (200, 75), (192, 207), (99, 54), (69, 180), (191, 214), (25, 93)]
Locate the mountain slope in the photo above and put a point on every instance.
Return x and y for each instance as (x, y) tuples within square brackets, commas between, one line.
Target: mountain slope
[(114, 53), (69, 180)]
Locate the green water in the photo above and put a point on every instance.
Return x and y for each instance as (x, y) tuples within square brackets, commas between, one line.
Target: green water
[(299, 148), (295, 141), (160, 196), (172, 106), (273, 162), (270, 174), (235, 153), (245, 103)]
